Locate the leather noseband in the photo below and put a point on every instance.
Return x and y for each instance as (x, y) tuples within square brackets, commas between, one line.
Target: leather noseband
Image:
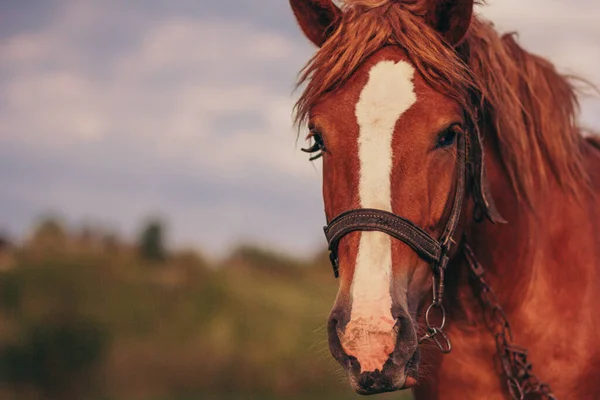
[(434, 251)]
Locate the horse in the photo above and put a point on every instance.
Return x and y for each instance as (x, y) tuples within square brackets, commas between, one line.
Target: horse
[(462, 201)]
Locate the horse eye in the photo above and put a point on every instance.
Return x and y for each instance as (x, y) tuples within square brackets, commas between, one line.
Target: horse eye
[(317, 147), (446, 138)]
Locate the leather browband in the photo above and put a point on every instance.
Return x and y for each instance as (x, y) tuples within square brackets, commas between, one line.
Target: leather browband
[(434, 251)]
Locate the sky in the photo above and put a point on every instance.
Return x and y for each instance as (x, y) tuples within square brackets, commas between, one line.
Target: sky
[(115, 111)]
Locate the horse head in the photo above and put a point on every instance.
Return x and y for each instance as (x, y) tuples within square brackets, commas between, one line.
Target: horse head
[(394, 122)]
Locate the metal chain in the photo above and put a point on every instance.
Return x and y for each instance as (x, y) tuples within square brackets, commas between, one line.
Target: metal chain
[(435, 331), (520, 379)]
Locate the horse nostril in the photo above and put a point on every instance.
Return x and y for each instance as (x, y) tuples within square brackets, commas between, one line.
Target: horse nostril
[(332, 322), (366, 380), (337, 321)]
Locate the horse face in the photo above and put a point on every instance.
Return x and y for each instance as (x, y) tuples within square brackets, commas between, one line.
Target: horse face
[(387, 139), (389, 145)]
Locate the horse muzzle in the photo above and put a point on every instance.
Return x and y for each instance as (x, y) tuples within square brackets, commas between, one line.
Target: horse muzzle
[(378, 357)]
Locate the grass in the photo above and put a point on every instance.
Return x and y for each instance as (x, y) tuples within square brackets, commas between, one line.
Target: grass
[(81, 322)]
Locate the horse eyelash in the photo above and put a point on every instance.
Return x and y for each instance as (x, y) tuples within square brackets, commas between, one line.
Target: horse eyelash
[(317, 146)]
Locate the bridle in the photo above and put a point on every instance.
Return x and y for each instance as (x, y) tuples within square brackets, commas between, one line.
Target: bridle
[(434, 251), (519, 377)]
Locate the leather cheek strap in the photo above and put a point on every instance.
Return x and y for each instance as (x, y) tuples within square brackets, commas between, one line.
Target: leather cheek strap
[(482, 193), (433, 251)]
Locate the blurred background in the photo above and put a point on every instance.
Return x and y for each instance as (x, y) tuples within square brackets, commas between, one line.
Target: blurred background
[(160, 231)]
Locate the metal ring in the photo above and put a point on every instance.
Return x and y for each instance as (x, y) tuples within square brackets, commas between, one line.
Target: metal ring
[(446, 346), (428, 316)]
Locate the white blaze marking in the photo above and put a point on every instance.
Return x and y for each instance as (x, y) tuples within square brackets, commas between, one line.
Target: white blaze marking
[(369, 335)]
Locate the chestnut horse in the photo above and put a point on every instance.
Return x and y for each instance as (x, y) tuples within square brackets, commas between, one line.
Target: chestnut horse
[(404, 101)]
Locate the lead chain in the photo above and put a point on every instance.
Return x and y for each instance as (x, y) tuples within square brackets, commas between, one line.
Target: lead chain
[(519, 377)]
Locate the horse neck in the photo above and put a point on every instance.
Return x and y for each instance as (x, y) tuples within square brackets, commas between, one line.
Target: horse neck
[(542, 266), (506, 251), (531, 246)]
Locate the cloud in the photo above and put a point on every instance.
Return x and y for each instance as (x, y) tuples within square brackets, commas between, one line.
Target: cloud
[(115, 110), (193, 120)]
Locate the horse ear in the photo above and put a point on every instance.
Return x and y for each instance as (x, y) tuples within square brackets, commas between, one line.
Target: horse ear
[(482, 193), (317, 18), (451, 18)]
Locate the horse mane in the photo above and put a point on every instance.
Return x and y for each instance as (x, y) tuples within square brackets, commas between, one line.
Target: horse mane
[(518, 100)]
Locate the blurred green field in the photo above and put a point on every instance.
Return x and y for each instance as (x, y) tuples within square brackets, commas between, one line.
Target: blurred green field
[(86, 316)]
